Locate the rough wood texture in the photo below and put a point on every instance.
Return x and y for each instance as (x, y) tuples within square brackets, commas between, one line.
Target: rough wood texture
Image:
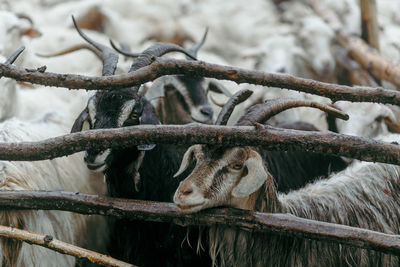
[(59, 246), (371, 60), (198, 68), (354, 72), (369, 23), (284, 224), (270, 137)]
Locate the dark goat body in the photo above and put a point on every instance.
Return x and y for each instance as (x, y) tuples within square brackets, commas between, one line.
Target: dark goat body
[(150, 243), (292, 170)]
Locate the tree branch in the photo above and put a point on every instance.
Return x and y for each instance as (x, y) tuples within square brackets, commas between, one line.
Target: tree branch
[(369, 23), (371, 60), (283, 224), (59, 246), (269, 137), (368, 57), (199, 68)]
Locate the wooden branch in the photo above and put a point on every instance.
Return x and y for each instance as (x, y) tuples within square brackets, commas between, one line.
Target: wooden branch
[(355, 73), (198, 68), (369, 58), (283, 224), (269, 137), (369, 23), (48, 241)]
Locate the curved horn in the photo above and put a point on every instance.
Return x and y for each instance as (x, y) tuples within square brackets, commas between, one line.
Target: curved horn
[(158, 49), (143, 89), (123, 51), (262, 112), (215, 102), (217, 88), (73, 49), (14, 56), (228, 108), (110, 58), (195, 48)]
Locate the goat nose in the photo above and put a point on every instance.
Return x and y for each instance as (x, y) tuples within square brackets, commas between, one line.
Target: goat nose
[(207, 111)]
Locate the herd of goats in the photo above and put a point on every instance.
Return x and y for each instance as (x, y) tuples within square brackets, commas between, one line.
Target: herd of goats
[(306, 184)]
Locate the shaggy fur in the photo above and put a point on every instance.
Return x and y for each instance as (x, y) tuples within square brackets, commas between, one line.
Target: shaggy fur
[(67, 174), (365, 195), (136, 241)]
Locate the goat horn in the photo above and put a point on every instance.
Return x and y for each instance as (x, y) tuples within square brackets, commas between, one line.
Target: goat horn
[(14, 56), (221, 105), (195, 48), (143, 90), (110, 58), (228, 108), (393, 126), (158, 49), (123, 51), (262, 112), (217, 88), (73, 49)]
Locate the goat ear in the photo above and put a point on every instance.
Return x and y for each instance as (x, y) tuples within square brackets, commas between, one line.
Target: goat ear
[(254, 179), (218, 88), (78, 124), (390, 120), (188, 157), (149, 115)]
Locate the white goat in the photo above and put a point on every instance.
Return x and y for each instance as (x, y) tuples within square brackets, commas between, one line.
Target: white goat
[(67, 174), (366, 119)]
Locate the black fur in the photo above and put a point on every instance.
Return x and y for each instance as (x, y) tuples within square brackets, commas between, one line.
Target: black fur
[(144, 243), (150, 243)]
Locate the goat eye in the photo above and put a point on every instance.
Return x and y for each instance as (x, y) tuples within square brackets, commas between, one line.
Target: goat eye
[(236, 166), (134, 117)]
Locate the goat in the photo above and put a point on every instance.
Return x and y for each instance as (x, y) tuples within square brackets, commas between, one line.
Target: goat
[(239, 177), (181, 99), (66, 173), (291, 169), (134, 172), (376, 123)]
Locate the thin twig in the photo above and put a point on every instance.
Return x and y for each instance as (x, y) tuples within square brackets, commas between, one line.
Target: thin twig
[(163, 67), (269, 137), (59, 246), (284, 224)]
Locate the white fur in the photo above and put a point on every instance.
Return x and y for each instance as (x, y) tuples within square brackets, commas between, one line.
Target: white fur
[(65, 173)]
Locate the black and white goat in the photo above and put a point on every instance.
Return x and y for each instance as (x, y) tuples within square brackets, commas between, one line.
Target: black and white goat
[(181, 99), (364, 195), (135, 172)]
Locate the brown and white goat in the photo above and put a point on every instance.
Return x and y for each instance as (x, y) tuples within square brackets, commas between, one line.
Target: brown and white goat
[(364, 195)]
